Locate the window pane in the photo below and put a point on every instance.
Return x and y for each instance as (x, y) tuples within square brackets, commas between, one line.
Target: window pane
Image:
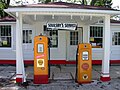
[(9, 31), (53, 36), (5, 36), (119, 41), (116, 38), (73, 38), (30, 36), (27, 36), (96, 36)]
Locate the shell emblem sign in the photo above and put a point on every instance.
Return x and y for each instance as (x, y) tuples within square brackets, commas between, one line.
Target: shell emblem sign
[(40, 62)]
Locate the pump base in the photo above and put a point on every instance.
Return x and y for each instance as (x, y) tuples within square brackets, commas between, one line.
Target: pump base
[(40, 79)]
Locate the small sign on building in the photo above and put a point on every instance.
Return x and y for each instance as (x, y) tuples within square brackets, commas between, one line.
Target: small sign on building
[(62, 26)]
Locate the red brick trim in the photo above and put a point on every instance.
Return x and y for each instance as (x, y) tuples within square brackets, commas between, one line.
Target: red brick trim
[(28, 62), (105, 79)]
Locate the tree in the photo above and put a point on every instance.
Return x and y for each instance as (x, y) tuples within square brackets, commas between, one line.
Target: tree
[(104, 3), (3, 5), (83, 2), (45, 1)]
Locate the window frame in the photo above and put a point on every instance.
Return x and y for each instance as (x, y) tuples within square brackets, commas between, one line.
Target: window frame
[(72, 38), (12, 36), (112, 38), (102, 37), (24, 29)]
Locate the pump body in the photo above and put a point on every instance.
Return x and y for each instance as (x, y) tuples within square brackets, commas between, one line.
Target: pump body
[(84, 63), (40, 60)]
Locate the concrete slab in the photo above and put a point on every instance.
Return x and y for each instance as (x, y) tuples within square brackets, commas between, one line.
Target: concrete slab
[(97, 67), (10, 68), (62, 75), (115, 67), (114, 74), (62, 79), (3, 67), (56, 68), (95, 75), (6, 74)]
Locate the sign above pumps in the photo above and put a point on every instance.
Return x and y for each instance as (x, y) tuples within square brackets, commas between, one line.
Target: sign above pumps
[(62, 26)]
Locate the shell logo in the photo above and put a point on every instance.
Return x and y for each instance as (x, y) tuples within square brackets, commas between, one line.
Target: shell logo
[(40, 62)]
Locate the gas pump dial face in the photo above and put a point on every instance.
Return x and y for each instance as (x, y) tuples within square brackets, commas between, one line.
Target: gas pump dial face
[(40, 48), (85, 55)]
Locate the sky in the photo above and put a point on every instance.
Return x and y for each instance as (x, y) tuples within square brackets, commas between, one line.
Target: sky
[(116, 3)]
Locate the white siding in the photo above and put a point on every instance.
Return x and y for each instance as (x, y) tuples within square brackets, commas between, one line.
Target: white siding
[(97, 54), (85, 34)]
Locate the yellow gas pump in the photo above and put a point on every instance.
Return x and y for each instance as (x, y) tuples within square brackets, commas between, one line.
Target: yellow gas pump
[(84, 63), (40, 60)]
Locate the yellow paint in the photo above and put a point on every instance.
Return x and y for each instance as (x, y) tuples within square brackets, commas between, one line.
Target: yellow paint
[(84, 75), (40, 55), (92, 39), (4, 42)]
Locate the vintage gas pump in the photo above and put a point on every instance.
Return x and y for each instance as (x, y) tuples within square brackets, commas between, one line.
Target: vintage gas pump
[(84, 63), (40, 60)]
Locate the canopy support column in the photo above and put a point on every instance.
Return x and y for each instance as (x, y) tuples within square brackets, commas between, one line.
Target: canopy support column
[(20, 72), (106, 45)]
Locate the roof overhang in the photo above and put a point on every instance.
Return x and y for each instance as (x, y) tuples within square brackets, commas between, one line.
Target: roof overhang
[(62, 11)]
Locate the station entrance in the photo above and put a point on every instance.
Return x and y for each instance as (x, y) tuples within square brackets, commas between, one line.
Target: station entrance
[(64, 43)]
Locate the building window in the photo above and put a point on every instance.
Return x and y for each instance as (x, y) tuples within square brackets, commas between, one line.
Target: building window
[(116, 38), (5, 36), (74, 38), (53, 35), (27, 36), (96, 36)]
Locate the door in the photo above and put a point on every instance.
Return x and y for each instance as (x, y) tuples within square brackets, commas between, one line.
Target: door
[(115, 45), (28, 37), (73, 38)]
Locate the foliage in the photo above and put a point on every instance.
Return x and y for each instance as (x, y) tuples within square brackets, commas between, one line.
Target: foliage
[(3, 5), (104, 3), (45, 1), (83, 2)]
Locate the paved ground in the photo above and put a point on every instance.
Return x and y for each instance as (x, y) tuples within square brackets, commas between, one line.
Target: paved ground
[(61, 78)]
